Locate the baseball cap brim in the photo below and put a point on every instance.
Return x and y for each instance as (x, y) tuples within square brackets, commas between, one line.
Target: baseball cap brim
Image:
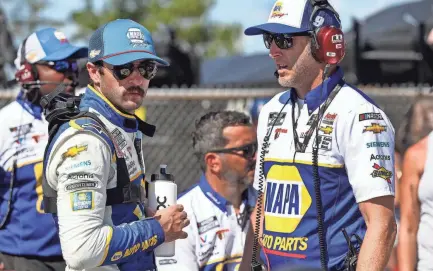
[(78, 52), (127, 57), (273, 28)]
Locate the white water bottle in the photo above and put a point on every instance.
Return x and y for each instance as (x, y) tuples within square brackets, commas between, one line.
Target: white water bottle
[(163, 193)]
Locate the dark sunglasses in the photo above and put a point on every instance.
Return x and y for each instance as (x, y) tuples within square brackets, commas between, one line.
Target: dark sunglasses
[(61, 66), (248, 150), (147, 69), (283, 41)]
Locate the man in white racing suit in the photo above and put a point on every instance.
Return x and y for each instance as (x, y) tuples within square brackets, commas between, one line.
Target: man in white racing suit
[(94, 163), (220, 204), (28, 237), (326, 153)]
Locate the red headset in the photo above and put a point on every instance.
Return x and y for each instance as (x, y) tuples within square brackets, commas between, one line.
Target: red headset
[(327, 44), (26, 74)]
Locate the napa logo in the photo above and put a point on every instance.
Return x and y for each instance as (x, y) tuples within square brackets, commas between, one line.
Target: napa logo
[(286, 199)]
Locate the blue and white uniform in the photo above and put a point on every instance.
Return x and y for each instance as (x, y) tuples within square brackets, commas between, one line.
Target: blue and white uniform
[(81, 166), (27, 231), (356, 164), (215, 238)]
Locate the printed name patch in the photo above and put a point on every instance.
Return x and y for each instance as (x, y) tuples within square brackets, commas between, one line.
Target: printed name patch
[(82, 201), (207, 225), (80, 186)]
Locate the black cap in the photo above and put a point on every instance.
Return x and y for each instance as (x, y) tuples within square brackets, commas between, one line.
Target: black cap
[(163, 175)]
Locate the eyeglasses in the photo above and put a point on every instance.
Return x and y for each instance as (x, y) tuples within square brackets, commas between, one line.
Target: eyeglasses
[(283, 41), (147, 69), (248, 150), (61, 66)]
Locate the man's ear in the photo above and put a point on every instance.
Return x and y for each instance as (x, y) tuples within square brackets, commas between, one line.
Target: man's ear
[(213, 163), (94, 74)]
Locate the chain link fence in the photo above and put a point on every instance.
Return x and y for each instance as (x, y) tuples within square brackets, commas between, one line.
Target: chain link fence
[(174, 112)]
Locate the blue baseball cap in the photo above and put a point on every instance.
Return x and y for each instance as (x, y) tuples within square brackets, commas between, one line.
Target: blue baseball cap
[(122, 41), (48, 44), (293, 16)]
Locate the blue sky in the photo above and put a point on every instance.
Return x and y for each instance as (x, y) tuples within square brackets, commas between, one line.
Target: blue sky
[(246, 12)]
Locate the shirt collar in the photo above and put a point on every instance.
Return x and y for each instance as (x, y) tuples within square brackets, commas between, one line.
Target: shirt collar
[(34, 109), (314, 97), (220, 201), (96, 100)]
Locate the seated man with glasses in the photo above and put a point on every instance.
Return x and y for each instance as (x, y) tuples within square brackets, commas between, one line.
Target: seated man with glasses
[(94, 162), (28, 237), (219, 206)]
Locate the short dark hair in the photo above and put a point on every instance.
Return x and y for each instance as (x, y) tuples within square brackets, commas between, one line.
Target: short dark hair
[(209, 128)]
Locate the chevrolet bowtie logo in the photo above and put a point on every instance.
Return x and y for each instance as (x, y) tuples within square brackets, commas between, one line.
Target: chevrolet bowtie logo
[(74, 151), (375, 128), (326, 130)]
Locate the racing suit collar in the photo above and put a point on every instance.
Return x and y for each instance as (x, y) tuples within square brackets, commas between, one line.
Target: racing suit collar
[(34, 109), (314, 97), (219, 200), (94, 99)]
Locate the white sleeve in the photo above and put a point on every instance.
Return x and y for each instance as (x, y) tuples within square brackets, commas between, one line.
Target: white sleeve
[(185, 258), (366, 142)]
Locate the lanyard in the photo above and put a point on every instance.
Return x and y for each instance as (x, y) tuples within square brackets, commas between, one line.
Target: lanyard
[(314, 119)]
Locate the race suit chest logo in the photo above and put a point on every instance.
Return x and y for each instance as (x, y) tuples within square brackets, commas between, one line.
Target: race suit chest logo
[(287, 200), (375, 128)]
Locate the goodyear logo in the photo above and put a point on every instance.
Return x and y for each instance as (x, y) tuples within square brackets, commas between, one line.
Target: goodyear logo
[(375, 128), (286, 199), (74, 151)]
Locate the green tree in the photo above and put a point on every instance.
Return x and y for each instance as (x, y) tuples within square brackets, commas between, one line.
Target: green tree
[(189, 19)]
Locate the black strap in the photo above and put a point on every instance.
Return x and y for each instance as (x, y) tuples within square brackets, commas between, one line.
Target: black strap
[(314, 119), (124, 192)]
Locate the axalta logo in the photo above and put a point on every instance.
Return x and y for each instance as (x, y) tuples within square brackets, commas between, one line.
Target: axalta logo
[(286, 199)]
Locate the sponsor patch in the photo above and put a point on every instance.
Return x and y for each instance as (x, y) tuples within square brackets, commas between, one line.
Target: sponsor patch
[(329, 118), (278, 121), (380, 157), (207, 225), (370, 116), (377, 144), (279, 131), (167, 261), (116, 256), (74, 151), (375, 128), (325, 142), (381, 172), (327, 130), (80, 164), (82, 201), (80, 186)]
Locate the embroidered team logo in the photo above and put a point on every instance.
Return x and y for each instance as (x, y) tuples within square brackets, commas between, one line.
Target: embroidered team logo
[(327, 130), (375, 128), (74, 151), (277, 10), (136, 37)]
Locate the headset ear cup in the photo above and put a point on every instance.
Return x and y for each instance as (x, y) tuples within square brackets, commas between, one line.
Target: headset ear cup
[(25, 73), (331, 45)]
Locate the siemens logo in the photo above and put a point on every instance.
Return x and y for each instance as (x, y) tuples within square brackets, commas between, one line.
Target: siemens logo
[(378, 144), (80, 164)]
